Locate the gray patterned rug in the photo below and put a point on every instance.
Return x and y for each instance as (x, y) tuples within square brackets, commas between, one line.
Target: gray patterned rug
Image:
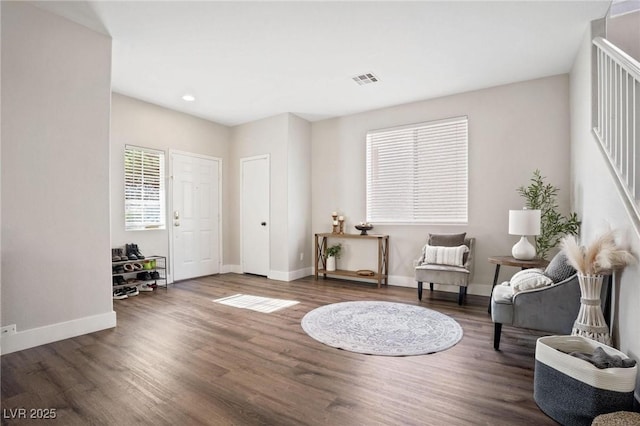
[(382, 328)]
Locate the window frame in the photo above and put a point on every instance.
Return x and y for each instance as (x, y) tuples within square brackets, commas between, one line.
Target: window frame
[(149, 199)]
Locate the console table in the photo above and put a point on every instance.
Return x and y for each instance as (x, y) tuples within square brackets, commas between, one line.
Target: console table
[(380, 276)]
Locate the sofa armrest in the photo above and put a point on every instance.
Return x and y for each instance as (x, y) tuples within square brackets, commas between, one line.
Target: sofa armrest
[(553, 309)]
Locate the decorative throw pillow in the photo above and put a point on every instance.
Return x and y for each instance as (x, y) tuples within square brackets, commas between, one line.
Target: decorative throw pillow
[(445, 255), (447, 240), (558, 269), (528, 279)]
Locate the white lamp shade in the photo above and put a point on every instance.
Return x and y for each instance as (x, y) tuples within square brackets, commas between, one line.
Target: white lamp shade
[(524, 222)]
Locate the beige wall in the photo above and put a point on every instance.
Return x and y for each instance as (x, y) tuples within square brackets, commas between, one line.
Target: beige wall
[(135, 122), (513, 130), (624, 32), (56, 270), (597, 200)]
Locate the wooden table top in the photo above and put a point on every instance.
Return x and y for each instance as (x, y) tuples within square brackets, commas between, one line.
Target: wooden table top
[(512, 261)]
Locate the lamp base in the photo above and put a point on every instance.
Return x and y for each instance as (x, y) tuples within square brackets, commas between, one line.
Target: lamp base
[(523, 250)]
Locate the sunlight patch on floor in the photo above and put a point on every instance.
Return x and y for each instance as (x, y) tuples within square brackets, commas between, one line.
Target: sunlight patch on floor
[(256, 303)]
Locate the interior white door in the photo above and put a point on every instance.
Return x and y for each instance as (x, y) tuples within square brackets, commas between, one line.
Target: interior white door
[(255, 200), (195, 216)]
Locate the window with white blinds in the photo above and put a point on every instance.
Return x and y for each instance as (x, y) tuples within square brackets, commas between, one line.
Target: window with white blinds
[(144, 195), (418, 173)]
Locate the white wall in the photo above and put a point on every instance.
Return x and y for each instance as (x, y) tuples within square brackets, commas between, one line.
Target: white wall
[(513, 130), (266, 136), (55, 178), (136, 122), (299, 181), (597, 200), (286, 138)]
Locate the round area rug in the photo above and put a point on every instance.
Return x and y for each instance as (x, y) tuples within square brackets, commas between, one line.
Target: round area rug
[(382, 328)]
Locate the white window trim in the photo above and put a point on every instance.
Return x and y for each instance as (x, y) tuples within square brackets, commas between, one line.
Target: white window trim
[(400, 188)]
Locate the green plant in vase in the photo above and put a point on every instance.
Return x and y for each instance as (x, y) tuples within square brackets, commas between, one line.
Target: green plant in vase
[(332, 253), (542, 196)]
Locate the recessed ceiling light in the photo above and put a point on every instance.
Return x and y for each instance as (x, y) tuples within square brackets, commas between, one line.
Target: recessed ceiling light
[(188, 98), (367, 78)]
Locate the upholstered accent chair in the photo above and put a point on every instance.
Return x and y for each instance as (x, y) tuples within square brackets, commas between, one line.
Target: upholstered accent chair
[(551, 308), (447, 272)]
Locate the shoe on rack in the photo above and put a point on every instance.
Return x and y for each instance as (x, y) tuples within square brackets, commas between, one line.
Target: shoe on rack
[(137, 266), (128, 267), (130, 254), (119, 294), (144, 276), (136, 251), (118, 280), (155, 275), (145, 288), (131, 291), (118, 269), (115, 257)]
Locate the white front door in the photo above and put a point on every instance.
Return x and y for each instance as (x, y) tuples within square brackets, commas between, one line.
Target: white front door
[(255, 224), (195, 216)]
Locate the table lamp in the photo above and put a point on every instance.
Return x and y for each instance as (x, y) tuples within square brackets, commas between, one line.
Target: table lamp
[(524, 223)]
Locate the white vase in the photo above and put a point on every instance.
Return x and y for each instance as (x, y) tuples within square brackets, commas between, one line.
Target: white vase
[(331, 263), (590, 322)]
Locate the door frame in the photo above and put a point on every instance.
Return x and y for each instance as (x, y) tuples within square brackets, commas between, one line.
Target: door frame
[(242, 161), (170, 207)]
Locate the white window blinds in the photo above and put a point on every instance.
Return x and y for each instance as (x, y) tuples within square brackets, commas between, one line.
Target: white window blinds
[(418, 173), (144, 194)]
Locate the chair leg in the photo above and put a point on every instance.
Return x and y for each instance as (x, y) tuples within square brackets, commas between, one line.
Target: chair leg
[(461, 294), (431, 286), (419, 290), (497, 330)]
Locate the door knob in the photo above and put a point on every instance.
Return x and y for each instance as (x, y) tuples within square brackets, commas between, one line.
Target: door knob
[(263, 223), (176, 223)]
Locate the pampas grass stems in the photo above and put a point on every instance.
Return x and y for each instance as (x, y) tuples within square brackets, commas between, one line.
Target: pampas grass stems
[(602, 255)]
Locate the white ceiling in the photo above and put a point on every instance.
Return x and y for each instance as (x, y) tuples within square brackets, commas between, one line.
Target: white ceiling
[(249, 60)]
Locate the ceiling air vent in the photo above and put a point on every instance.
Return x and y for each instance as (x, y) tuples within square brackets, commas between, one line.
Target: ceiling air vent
[(365, 79)]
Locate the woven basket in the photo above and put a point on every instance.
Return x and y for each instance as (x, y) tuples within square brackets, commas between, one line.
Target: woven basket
[(574, 391)]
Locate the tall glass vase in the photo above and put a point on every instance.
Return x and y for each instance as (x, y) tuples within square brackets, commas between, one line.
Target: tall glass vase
[(590, 322)]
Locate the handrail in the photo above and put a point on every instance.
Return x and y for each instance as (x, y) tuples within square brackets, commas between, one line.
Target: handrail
[(617, 122), (620, 56)]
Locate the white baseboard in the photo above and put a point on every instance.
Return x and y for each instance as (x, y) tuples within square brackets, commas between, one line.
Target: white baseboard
[(410, 282), (476, 289), (227, 269), (52, 333), (291, 275)]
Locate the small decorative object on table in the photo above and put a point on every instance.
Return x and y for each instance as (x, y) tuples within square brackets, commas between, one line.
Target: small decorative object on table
[(334, 223), (363, 227), (341, 221), (603, 256)]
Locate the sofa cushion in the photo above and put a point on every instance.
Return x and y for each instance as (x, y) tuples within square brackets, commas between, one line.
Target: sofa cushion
[(529, 279), (558, 269), (445, 255), (447, 240)]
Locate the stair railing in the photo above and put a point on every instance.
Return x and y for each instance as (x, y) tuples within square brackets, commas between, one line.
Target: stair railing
[(617, 120)]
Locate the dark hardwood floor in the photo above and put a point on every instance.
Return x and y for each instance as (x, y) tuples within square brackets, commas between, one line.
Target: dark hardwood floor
[(177, 358)]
